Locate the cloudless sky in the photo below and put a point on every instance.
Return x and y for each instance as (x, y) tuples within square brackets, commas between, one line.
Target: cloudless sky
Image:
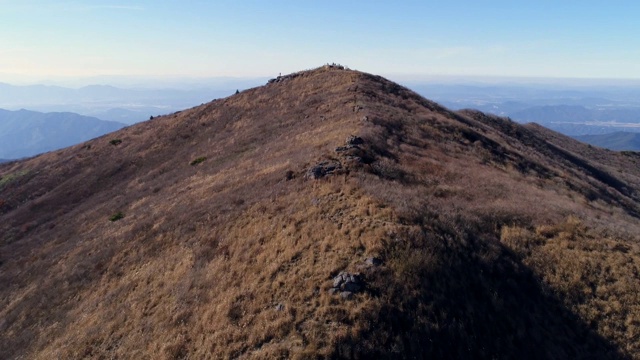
[(47, 39)]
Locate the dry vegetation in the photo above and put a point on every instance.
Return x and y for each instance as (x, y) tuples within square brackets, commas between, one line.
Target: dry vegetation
[(497, 240)]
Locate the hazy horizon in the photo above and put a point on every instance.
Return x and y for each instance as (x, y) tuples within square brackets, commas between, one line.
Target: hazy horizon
[(52, 42), (189, 83)]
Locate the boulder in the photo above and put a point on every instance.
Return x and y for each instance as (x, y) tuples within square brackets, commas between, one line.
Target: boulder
[(346, 284), (354, 140), (373, 261), (352, 286), (323, 169)]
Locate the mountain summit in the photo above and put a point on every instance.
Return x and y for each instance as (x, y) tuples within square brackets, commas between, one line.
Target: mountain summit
[(328, 214)]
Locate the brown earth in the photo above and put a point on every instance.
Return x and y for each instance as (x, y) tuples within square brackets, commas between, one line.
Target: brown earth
[(216, 232)]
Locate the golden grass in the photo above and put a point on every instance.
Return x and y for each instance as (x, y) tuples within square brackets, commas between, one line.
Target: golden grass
[(595, 274), (497, 240)]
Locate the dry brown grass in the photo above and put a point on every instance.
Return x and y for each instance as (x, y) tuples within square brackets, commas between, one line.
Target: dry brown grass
[(594, 273), (498, 241)]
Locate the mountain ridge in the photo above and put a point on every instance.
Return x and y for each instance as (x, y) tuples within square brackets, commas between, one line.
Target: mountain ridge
[(222, 230)]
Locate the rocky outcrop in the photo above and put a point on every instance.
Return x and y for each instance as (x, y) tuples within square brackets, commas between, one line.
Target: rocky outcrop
[(323, 169), (346, 284), (283, 78), (351, 152), (352, 142)]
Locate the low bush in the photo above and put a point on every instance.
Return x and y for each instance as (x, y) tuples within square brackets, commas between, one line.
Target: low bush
[(117, 216), (198, 160), (9, 178)]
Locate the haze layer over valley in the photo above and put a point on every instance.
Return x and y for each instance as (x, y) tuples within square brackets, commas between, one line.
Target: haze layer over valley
[(133, 103), (571, 106)]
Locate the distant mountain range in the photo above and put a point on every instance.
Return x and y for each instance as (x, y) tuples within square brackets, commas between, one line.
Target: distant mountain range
[(614, 141), (571, 110), (26, 133), (579, 120), (111, 103)]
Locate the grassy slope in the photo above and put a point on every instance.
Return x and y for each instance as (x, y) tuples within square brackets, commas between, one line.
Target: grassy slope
[(498, 240)]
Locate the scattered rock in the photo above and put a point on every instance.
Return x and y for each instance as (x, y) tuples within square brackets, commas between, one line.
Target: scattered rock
[(283, 78), (334, 66), (346, 285), (356, 159), (351, 152), (323, 169), (373, 261), (352, 286), (290, 175), (354, 140)]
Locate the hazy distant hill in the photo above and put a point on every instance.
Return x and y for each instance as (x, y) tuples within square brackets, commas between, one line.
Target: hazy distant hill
[(26, 133), (110, 102), (615, 141), (587, 109), (571, 113), (330, 214)]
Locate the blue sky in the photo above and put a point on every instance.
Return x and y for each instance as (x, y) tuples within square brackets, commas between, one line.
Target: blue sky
[(577, 39)]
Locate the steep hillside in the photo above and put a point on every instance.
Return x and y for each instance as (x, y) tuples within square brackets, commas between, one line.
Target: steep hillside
[(328, 214), (27, 133)]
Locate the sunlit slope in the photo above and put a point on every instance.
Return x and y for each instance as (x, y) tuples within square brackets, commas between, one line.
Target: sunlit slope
[(330, 213)]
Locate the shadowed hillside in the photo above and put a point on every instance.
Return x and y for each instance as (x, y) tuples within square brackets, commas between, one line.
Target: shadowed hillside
[(328, 214)]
